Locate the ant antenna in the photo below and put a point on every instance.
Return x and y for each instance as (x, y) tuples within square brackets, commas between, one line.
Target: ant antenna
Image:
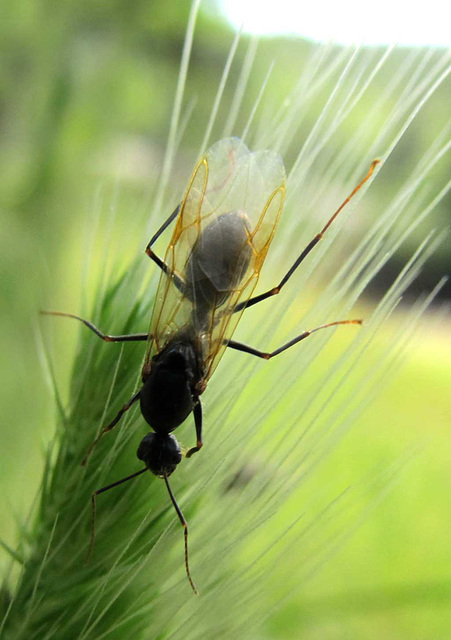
[(93, 502), (351, 195), (176, 507), (185, 531)]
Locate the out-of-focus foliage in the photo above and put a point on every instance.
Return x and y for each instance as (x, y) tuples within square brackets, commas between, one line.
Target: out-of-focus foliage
[(84, 84)]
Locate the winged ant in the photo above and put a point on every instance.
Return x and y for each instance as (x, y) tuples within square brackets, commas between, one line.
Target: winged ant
[(223, 229)]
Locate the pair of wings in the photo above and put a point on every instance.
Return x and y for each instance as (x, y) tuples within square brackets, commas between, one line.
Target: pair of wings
[(229, 179)]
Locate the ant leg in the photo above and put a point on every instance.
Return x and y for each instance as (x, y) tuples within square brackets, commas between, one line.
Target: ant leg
[(275, 290), (266, 356), (198, 422), (163, 227), (184, 524), (179, 283), (107, 338), (111, 426)]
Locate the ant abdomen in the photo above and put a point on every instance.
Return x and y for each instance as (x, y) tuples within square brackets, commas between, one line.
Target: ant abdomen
[(218, 262)]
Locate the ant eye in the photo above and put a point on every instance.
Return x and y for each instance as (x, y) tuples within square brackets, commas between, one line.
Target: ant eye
[(176, 457), (145, 447)]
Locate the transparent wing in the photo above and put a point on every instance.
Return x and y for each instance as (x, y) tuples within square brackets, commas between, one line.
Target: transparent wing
[(224, 318), (226, 223), (172, 309)]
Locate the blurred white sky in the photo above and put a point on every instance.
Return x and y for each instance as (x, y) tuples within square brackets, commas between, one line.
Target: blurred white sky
[(347, 21)]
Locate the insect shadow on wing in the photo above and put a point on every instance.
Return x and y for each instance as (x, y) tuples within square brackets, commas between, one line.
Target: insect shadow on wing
[(223, 229)]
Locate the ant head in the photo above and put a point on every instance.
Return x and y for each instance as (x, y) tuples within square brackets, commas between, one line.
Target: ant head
[(160, 453)]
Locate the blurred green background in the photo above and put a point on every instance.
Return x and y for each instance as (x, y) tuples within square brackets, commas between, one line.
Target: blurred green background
[(86, 97)]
